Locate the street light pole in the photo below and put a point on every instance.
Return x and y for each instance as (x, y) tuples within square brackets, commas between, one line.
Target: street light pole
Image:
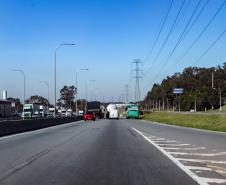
[(55, 56), (47, 85), (76, 94), (86, 99), (23, 74), (92, 82)]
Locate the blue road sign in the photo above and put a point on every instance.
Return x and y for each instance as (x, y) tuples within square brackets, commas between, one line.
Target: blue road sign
[(178, 90)]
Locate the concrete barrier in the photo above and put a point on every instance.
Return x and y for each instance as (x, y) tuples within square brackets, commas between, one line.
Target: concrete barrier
[(19, 126)]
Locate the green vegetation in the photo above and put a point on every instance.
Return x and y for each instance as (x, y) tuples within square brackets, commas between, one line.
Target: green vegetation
[(218, 110), (198, 90), (215, 122)]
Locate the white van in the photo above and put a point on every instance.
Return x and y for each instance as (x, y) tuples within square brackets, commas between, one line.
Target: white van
[(113, 111)]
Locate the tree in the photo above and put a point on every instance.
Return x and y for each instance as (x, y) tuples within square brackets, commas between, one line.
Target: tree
[(197, 84), (37, 99), (67, 96)]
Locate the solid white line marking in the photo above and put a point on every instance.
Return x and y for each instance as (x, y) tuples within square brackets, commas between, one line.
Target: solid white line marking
[(220, 171), (202, 161), (189, 149), (199, 168), (158, 139), (163, 142), (211, 180), (199, 154), (217, 168), (173, 144), (177, 162)]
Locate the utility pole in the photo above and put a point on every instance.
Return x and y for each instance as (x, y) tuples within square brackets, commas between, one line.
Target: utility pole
[(212, 80), (195, 104), (220, 99), (216, 90), (127, 93), (138, 75)]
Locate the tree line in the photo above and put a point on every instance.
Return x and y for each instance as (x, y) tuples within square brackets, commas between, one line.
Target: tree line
[(202, 90), (66, 100)]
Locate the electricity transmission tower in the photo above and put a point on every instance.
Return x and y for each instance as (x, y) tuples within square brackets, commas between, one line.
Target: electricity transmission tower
[(137, 68)]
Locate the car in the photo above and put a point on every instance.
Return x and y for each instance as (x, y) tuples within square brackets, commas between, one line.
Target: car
[(89, 116), (81, 113)]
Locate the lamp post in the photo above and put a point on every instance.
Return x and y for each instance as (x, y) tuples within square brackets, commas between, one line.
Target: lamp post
[(47, 85), (87, 93), (55, 54), (76, 94), (92, 81), (23, 74)]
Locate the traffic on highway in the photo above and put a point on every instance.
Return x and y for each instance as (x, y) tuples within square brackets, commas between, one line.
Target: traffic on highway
[(112, 92)]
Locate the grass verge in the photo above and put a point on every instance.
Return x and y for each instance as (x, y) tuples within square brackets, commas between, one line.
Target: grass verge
[(201, 121)]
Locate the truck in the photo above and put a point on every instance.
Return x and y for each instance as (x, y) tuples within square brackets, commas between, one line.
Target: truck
[(5, 108), (51, 112), (96, 108), (43, 111), (31, 110), (133, 111), (112, 111)]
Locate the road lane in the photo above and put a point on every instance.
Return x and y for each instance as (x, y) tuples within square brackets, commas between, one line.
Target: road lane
[(101, 152), (202, 152)]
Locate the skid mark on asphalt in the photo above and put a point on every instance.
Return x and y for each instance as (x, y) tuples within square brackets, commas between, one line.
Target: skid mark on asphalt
[(197, 161)]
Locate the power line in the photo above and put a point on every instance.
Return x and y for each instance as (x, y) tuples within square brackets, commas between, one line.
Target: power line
[(197, 17), (183, 33), (171, 29), (169, 33), (201, 33), (209, 48), (180, 38), (160, 31)]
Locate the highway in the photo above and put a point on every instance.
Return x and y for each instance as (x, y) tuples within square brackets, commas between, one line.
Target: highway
[(113, 152)]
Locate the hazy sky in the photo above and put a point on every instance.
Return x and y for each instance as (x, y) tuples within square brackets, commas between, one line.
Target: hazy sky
[(108, 35)]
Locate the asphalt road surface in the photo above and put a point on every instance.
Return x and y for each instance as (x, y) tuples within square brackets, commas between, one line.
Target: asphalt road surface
[(113, 152)]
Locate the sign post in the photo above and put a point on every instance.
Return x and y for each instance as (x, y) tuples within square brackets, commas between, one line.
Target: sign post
[(178, 91)]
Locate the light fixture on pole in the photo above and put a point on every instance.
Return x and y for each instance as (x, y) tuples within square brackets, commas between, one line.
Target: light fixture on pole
[(23, 74), (76, 93), (47, 85), (55, 54)]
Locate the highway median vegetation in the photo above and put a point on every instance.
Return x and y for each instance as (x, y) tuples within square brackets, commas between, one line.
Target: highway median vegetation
[(215, 122)]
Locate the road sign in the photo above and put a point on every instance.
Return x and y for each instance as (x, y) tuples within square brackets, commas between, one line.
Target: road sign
[(178, 90)]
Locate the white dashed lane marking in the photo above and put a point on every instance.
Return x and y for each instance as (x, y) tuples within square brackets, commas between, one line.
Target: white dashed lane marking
[(181, 154)]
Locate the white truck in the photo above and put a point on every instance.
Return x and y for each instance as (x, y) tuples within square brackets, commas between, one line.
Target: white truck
[(112, 111), (31, 110), (51, 112), (43, 111)]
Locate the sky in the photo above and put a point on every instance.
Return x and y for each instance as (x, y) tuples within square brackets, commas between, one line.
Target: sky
[(109, 35)]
